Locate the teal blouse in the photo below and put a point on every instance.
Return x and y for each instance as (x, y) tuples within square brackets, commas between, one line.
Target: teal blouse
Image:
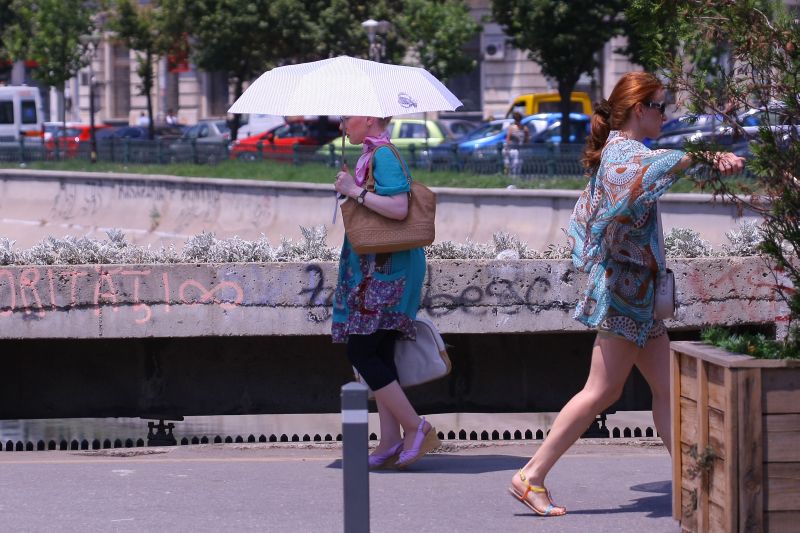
[(374, 295)]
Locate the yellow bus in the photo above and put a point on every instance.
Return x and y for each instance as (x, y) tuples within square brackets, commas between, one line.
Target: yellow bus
[(530, 104)]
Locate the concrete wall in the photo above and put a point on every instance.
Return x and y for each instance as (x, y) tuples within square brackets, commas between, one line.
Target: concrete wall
[(254, 299), (164, 210)]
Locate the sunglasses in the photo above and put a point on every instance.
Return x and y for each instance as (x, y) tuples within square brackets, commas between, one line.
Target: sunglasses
[(661, 106)]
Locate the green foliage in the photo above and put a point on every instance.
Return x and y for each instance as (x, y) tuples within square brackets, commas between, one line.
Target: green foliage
[(562, 36), (752, 344), (49, 32), (438, 31), (734, 56)]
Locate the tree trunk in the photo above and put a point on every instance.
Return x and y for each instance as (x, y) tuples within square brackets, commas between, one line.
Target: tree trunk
[(237, 118), (148, 86), (565, 92)]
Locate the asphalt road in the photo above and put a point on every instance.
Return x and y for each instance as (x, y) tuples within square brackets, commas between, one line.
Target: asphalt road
[(607, 485)]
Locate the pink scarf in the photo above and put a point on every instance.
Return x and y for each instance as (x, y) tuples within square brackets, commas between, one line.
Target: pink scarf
[(370, 145)]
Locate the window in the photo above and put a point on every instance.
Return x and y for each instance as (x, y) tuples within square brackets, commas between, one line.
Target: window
[(28, 112), (412, 130), (555, 107), (7, 112)]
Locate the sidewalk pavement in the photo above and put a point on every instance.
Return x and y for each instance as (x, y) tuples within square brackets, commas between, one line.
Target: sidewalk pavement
[(607, 485)]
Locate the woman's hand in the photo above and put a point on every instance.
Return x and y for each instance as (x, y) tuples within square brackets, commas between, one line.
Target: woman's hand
[(728, 163), (346, 184)]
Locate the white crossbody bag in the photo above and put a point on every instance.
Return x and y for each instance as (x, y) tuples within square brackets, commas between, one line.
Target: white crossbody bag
[(421, 360), (664, 303)]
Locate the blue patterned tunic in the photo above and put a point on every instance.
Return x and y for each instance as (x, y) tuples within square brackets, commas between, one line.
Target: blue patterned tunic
[(613, 232), (370, 297)]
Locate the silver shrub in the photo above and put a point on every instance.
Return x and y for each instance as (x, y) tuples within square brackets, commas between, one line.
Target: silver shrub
[(744, 240), (206, 248), (683, 242)]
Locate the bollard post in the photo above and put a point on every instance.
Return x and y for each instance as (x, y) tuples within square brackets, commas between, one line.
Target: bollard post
[(355, 468)]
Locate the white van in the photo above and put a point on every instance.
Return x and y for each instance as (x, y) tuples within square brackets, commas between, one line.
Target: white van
[(20, 114)]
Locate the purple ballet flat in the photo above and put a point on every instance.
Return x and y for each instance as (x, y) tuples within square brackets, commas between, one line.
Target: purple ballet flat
[(386, 459)]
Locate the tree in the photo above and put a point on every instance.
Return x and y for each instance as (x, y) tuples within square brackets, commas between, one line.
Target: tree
[(48, 32), (136, 29), (437, 31), (246, 37), (562, 36), (757, 66)]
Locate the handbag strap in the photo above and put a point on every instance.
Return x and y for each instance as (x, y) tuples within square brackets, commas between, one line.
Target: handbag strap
[(660, 230), (370, 183)]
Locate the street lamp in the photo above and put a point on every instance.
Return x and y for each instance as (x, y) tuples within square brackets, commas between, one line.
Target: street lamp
[(91, 42), (375, 31)]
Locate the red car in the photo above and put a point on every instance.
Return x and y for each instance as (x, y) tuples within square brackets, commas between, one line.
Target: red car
[(282, 141), (69, 140)]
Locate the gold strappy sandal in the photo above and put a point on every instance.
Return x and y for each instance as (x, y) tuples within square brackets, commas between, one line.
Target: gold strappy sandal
[(551, 510)]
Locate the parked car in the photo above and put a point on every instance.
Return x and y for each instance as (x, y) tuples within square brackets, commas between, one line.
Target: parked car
[(205, 142), (579, 125), (676, 132), (548, 102), (140, 132), (70, 140), (455, 128), (304, 134), (405, 133)]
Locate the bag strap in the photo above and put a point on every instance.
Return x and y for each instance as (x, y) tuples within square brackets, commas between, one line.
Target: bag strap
[(370, 183), (660, 230)]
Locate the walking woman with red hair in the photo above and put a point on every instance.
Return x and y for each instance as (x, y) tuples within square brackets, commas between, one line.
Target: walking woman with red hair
[(614, 235)]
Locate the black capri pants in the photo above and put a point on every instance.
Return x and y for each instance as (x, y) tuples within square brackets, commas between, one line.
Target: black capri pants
[(373, 357)]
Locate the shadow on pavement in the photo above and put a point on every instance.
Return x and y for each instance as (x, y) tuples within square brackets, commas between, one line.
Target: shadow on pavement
[(659, 506), (442, 463)]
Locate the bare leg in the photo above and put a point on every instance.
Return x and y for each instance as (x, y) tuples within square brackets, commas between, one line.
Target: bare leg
[(390, 428), (653, 363), (395, 401), (612, 360)]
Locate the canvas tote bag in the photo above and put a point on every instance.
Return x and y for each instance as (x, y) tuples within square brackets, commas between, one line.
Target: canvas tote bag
[(371, 233), (422, 360)]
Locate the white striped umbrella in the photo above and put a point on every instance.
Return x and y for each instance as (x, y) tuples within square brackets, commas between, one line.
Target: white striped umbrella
[(345, 86)]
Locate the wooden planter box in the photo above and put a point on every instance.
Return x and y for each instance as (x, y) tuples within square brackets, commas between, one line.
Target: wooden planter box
[(735, 441)]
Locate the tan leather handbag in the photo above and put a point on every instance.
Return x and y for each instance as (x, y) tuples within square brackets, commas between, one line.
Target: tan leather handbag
[(372, 233)]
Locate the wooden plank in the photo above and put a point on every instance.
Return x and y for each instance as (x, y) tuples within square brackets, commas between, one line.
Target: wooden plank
[(781, 438), (718, 356), (688, 373), (702, 442), (688, 512), (782, 484), (751, 453), (731, 449), (716, 432), (717, 485), (716, 386), (675, 436), (688, 421), (781, 521), (781, 389), (716, 518)]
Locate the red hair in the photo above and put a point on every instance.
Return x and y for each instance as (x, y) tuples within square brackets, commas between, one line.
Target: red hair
[(611, 114)]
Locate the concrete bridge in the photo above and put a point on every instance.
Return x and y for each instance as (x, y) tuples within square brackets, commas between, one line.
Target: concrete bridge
[(165, 341), (164, 210)]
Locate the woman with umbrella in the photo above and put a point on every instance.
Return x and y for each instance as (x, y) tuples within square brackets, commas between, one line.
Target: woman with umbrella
[(377, 296)]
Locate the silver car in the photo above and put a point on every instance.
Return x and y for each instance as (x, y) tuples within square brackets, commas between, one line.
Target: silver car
[(205, 142)]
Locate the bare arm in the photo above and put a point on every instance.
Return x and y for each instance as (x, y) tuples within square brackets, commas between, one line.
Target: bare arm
[(394, 207), (726, 162)]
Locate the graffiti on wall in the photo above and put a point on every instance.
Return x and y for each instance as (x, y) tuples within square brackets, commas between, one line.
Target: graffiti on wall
[(36, 291)]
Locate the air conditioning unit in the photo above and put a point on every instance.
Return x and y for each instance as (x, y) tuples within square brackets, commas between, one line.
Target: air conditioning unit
[(494, 48)]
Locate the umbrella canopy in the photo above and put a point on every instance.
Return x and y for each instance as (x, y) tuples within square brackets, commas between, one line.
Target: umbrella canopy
[(345, 86)]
